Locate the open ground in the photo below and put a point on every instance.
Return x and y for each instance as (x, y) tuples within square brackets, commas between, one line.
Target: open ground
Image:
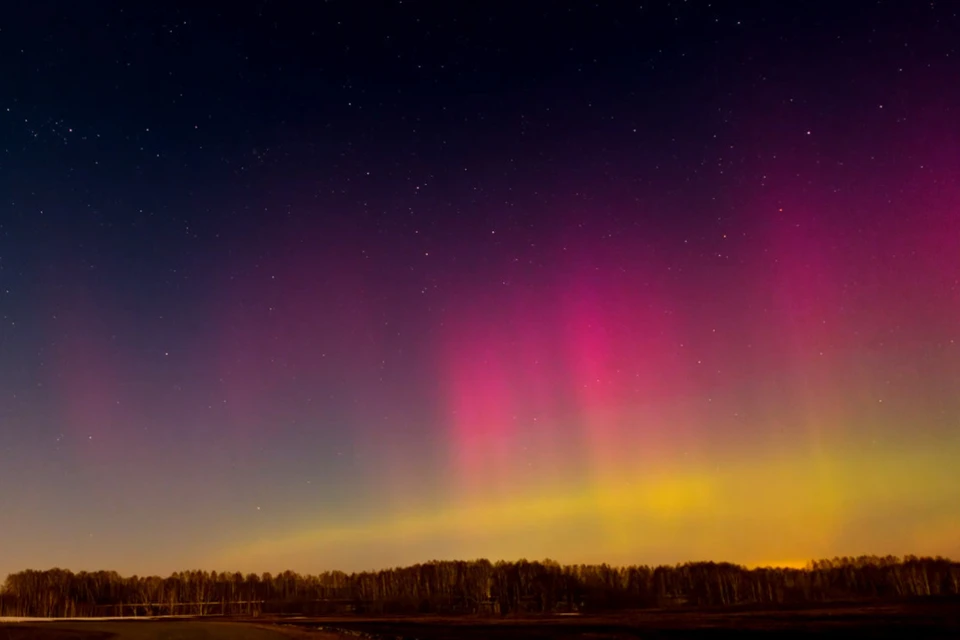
[(939, 619)]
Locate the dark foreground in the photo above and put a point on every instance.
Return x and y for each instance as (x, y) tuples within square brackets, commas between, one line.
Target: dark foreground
[(139, 630), (927, 620)]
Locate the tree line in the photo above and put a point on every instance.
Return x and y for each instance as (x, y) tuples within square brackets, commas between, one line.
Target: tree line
[(474, 587)]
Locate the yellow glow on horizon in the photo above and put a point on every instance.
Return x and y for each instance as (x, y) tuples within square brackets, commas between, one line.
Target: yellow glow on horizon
[(781, 564), (806, 506), (661, 498)]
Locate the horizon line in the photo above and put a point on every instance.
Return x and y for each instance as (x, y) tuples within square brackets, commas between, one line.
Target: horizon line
[(793, 565)]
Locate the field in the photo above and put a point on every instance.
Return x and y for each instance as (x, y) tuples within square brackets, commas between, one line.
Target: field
[(139, 630), (917, 620)]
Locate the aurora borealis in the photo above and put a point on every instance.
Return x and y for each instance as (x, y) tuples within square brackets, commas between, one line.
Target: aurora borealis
[(320, 289)]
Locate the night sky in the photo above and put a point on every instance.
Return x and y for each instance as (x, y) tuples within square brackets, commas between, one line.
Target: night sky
[(348, 285)]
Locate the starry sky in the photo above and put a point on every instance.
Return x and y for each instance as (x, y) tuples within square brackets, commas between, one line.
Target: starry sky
[(362, 284)]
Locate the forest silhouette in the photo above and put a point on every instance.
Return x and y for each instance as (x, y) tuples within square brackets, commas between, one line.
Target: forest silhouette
[(476, 587)]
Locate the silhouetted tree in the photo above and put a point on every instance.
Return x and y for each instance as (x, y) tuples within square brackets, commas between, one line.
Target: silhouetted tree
[(477, 586)]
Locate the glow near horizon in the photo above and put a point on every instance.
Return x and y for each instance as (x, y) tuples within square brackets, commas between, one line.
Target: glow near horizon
[(787, 511)]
